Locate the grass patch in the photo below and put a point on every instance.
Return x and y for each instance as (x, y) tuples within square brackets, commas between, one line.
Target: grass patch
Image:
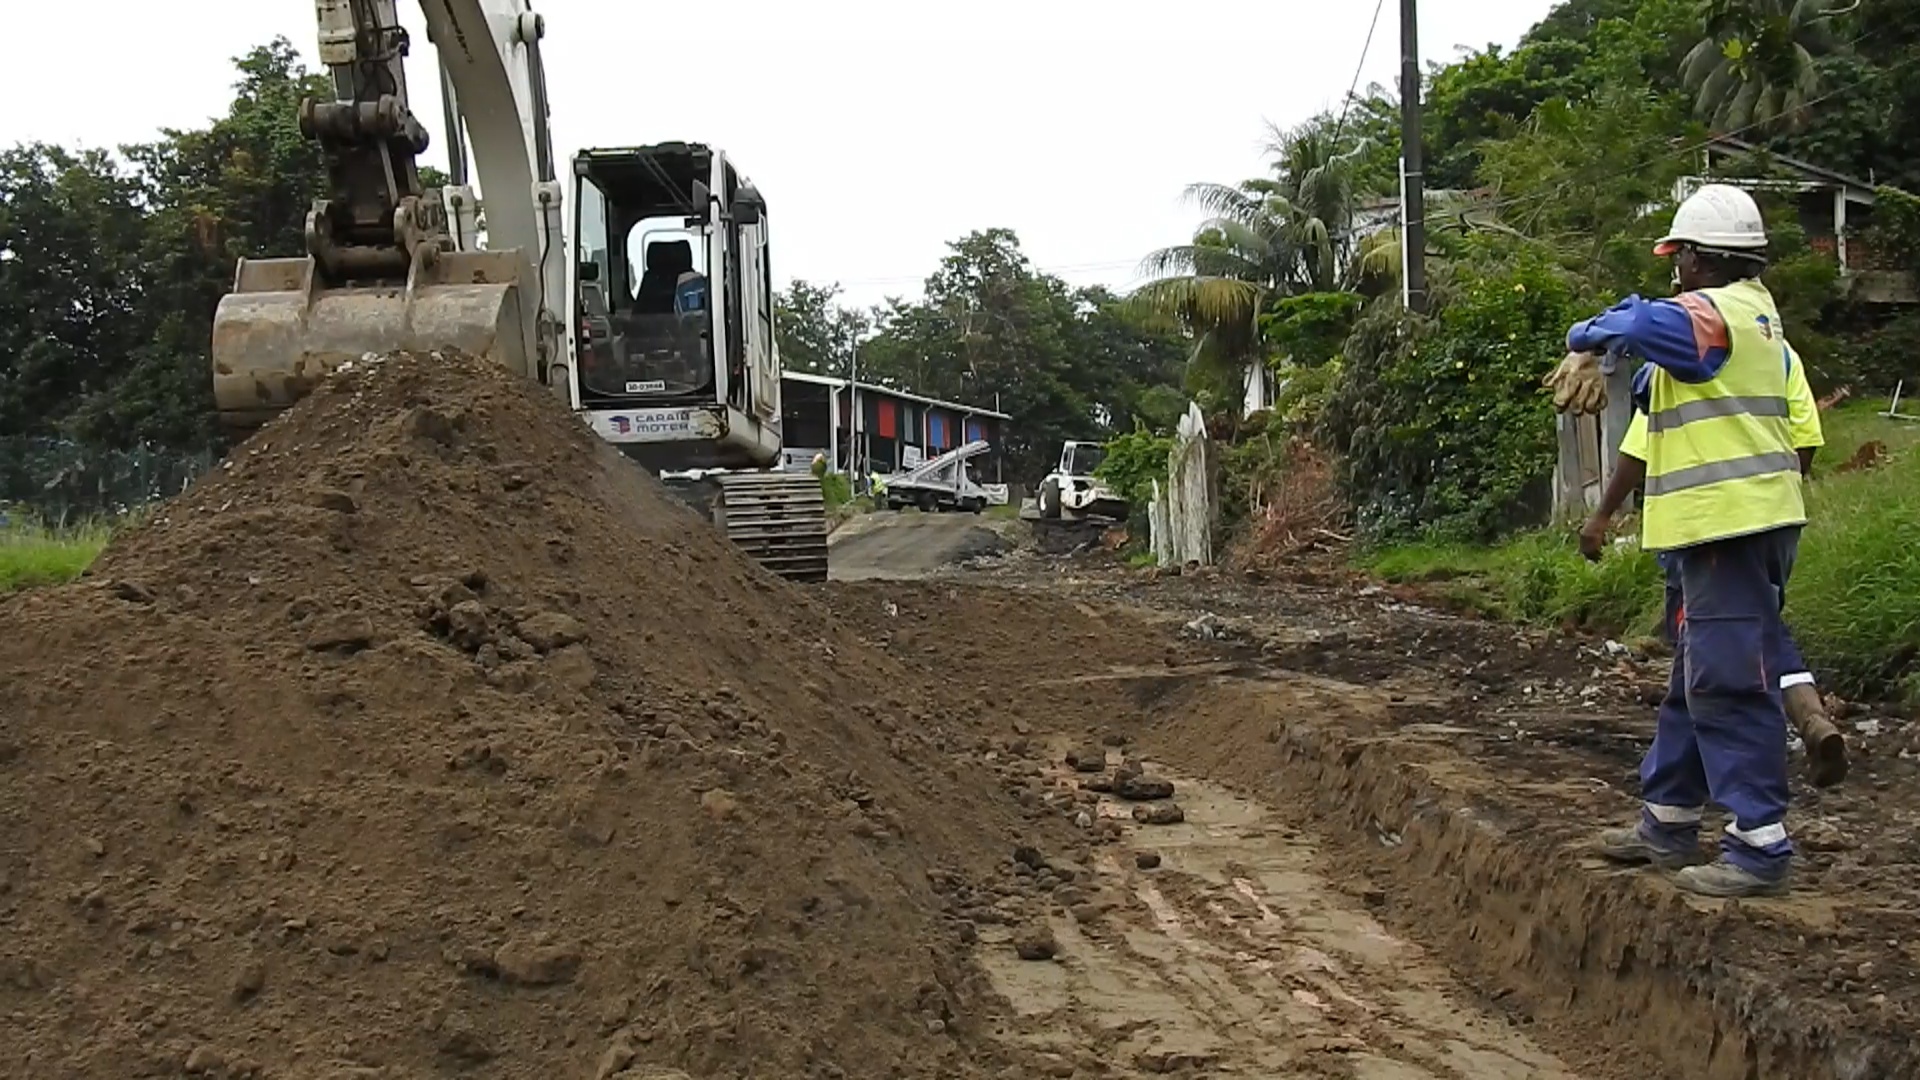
[(1855, 423), (32, 555), (1854, 600), (836, 490), (1535, 577), (1853, 603)]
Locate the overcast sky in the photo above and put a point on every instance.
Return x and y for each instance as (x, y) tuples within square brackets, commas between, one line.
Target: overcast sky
[(878, 130)]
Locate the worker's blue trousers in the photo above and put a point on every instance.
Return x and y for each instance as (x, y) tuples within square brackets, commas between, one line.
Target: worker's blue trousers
[(1790, 664), (1722, 731)]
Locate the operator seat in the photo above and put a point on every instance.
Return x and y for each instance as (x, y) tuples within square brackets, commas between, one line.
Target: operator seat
[(666, 261)]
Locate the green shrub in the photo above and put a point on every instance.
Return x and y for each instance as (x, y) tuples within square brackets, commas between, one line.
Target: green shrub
[(1307, 330), (836, 489), (1133, 462), (1305, 394), (1441, 423), (1895, 232), (1853, 603), (1539, 577)]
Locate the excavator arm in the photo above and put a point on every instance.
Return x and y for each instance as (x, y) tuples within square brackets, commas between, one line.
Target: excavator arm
[(389, 264)]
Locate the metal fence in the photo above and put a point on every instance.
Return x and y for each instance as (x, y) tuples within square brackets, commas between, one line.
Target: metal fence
[(64, 483)]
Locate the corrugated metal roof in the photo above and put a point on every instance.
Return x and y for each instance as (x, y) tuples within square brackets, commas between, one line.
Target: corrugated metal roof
[(888, 391)]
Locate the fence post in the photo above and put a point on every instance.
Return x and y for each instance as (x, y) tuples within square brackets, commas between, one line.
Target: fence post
[(1569, 494)]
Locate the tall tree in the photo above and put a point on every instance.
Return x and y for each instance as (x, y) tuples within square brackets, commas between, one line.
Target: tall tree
[(1263, 239), (1758, 63), (816, 334), (992, 330), (74, 297), (239, 188)]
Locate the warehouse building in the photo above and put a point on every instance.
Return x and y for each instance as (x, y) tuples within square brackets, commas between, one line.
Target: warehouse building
[(894, 430)]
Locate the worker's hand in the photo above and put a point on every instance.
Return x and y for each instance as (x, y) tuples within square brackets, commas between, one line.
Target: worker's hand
[(1578, 384), (1593, 538)]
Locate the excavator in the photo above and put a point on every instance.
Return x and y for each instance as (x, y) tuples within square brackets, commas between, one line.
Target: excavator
[(655, 325)]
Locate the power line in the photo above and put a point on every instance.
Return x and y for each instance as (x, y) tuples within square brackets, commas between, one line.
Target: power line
[(1367, 47)]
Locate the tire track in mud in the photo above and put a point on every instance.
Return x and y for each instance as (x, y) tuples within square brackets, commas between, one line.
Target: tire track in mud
[(1236, 956), (1655, 983)]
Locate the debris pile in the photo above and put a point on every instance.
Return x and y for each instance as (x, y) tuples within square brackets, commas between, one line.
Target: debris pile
[(429, 735)]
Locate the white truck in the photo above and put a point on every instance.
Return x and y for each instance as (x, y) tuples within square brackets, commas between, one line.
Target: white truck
[(939, 483)]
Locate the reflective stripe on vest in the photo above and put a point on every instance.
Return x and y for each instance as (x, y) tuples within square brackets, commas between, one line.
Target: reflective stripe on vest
[(1707, 408), (1720, 457)]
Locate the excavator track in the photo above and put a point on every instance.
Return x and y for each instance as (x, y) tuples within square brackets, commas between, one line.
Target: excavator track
[(778, 518)]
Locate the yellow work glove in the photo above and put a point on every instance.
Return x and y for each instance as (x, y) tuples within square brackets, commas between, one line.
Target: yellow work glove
[(1578, 385)]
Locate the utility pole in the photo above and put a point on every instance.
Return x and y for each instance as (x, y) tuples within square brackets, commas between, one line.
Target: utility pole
[(1413, 190), (855, 473)]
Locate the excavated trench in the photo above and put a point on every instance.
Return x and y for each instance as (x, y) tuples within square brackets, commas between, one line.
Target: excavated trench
[(1379, 870)]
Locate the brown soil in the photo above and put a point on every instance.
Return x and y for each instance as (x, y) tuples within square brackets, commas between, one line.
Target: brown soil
[(429, 737), (1450, 772)]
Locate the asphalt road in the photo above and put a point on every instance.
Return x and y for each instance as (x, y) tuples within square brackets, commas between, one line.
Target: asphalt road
[(902, 545)]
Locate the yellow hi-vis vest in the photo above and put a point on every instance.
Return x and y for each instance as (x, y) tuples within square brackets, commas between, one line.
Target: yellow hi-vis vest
[(1720, 456)]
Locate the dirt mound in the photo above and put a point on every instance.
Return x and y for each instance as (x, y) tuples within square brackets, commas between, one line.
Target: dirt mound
[(428, 736)]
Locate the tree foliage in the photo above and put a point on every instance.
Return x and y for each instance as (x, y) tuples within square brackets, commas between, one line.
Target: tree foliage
[(114, 264), (1439, 422), (814, 332)]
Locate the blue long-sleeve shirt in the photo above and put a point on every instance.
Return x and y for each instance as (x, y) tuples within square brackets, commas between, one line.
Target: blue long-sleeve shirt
[(1685, 336)]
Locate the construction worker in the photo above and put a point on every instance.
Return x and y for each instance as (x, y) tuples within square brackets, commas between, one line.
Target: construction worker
[(1723, 494), (1826, 748)]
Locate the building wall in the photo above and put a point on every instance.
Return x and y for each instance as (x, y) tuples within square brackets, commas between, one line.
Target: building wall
[(889, 425)]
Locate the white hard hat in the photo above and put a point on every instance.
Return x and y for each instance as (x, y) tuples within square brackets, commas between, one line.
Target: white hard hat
[(1718, 216)]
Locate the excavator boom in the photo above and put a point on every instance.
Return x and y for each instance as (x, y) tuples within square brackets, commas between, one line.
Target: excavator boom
[(390, 265)]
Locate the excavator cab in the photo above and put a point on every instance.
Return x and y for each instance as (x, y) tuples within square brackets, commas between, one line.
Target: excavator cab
[(674, 358)]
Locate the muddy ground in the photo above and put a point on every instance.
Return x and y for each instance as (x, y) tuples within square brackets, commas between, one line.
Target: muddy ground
[(1380, 870), (429, 737)]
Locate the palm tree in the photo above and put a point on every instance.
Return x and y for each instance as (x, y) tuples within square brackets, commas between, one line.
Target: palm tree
[(1755, 66), (1262, 239)]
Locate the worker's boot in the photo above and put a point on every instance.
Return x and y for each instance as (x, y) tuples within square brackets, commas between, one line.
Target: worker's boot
[(1723, 879), (1826, 748), (1633, 846)]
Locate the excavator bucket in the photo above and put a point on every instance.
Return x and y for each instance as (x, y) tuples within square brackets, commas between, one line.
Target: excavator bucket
[(280, 332)]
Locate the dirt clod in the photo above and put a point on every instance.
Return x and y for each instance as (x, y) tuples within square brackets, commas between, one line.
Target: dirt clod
[(536, 963), (337, 501), (1159, 813), (1139, 787), (1088, 759), (249, 980), (1036, 944)]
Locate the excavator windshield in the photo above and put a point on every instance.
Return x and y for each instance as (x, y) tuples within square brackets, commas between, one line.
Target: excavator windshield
[(646, 312)]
